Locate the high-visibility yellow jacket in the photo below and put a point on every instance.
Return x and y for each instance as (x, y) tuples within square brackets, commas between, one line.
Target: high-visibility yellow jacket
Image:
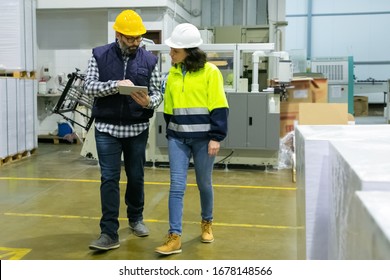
[(195, 104)]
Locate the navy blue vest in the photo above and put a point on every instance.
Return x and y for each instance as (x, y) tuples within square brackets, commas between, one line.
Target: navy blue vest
[(122, 109)]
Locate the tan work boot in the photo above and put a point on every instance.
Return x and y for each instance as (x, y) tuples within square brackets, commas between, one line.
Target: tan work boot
[(171, 246), (207, 232)]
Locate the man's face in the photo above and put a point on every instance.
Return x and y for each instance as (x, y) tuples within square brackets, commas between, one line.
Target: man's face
[(129, 44)]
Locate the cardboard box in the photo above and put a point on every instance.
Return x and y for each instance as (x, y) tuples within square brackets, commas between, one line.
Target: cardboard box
[(288, 115), (320, 90), (360, 105), (311, 114), (323, 113), (303, 90), (312, 90)]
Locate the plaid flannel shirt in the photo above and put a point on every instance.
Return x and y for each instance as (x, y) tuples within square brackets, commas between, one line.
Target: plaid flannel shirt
[(96, 88)]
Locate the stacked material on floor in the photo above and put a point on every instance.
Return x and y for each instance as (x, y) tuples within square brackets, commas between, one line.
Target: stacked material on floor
[(18, 119), (18, 136), (332, 163), (17, 35), (371, 238), (354, 166)]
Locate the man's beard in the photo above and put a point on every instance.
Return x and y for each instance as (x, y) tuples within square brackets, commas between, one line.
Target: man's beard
[(126, 49)]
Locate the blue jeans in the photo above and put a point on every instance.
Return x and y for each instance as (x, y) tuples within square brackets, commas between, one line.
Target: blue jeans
[(109, 150), (180, 152)]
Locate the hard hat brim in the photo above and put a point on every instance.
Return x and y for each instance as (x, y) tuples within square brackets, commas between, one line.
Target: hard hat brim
[(142, 32), (174, 45)]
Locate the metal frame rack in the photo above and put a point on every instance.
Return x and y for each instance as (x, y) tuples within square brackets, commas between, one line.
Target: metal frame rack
[(72, 97)]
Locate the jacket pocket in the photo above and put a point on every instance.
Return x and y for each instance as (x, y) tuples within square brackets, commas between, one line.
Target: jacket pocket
[(143, 77)]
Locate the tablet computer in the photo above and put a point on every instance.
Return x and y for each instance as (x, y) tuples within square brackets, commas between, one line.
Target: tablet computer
[(128, 90)]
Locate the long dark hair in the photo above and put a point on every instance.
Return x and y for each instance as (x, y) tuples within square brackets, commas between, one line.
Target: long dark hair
[(195, 60)]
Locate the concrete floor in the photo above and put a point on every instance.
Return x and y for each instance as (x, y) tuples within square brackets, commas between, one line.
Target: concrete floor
[(50, 210)]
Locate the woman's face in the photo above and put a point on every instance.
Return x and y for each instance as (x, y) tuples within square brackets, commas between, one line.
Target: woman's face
[(178, 55)]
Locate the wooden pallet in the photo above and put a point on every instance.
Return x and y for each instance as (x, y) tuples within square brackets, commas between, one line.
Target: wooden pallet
[(16, 157), (18, 74), (56, 139)]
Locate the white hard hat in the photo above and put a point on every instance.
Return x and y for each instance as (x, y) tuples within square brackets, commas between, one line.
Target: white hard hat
[(184, 36)]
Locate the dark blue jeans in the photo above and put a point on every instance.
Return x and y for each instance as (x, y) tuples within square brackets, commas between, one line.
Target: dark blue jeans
[(109, 150)]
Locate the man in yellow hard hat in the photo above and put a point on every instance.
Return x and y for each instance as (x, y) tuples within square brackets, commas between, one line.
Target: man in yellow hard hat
[(122, 123)]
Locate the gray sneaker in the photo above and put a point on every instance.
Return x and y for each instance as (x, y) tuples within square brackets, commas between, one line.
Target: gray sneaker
[(139, 228), (104, 243)]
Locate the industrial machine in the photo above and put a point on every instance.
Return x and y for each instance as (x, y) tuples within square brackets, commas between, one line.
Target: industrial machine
[(283, 76), (339, 72)]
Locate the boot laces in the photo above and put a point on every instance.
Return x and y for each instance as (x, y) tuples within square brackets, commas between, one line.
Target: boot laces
[(206, 226), (171, 238)]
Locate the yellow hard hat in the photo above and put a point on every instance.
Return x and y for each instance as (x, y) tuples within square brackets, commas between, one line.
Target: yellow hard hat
[(129, 23)]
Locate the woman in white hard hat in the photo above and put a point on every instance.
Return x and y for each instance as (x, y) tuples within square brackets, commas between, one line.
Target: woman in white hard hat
[(196, 112)]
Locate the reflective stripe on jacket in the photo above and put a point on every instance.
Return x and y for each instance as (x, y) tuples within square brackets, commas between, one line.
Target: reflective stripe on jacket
[(195, 104)]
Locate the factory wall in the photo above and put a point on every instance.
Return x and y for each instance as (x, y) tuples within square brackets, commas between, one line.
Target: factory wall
[(329, 28)]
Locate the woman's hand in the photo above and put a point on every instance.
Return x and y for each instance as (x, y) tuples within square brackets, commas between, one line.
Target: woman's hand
[(213, 148)]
